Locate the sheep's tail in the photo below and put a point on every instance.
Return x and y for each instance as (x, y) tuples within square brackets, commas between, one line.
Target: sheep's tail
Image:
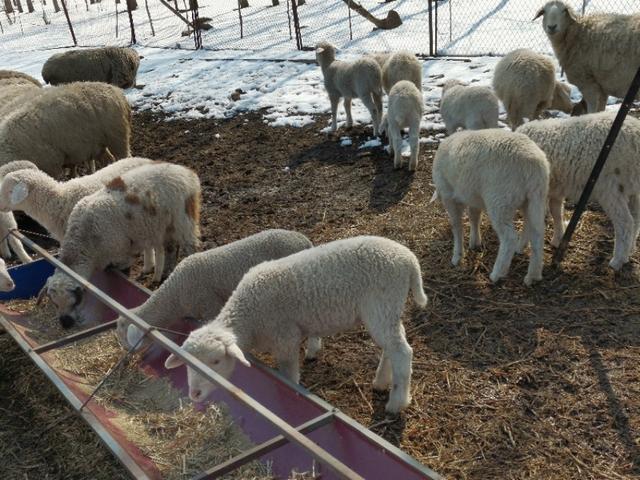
[(416, 284)]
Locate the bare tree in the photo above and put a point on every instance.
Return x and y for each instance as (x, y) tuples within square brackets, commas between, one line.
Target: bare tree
[(132, 4), (275, 3), (30, 8), (19, 6), (56, 6), (243, 3), (8, 8)]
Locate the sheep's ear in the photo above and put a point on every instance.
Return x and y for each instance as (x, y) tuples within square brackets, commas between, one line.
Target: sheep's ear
[(234, 351), (570, 13), (319, 50), (19, 192), (538, 15), (134, 334), (173, 362)]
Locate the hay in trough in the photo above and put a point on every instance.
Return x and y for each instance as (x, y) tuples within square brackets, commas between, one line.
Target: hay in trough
[(178, 438)]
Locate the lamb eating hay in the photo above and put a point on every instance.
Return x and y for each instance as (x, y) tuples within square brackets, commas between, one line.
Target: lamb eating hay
[(115, 65), (154, 206), (405, 110), (468, 107), (599, 53), (359, 79), (202, 283), (317, 292), (572, 146), (500, 172), (526, 84), (67, 126)]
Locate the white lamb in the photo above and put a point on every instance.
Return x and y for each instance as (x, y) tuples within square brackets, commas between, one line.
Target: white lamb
[(50, 202), (396, 66), (320, 291), (499, 172), (526, 84), (8, 221), (154, 206), (405, 110), (359, 79), (202, 283), (599, 53), (468, 107), (572, 146)]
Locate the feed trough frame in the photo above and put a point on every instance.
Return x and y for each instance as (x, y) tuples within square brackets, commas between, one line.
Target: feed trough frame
[(290, 427)]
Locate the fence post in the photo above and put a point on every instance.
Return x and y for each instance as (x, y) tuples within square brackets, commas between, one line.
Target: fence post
[(430, 30), (296, 24), (195, 20), (131, 6), (66, 14), (597, 168)]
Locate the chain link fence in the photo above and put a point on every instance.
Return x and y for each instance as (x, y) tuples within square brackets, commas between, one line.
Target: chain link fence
[(443, 27), (495, 27)]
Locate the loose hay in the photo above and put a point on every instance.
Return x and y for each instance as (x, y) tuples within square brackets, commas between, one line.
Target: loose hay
[(179, 439), (44, 325)]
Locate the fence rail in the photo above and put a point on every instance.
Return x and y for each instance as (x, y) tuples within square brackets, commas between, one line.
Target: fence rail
[(428, 27)]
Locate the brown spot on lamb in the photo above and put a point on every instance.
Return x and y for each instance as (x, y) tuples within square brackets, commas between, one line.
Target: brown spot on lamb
[(192, 207), (117, 184)]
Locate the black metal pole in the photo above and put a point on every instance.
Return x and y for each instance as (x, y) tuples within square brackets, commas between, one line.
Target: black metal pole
[(66, 14), (597, 168), (133, 30), (435, 29), (296, 24), (430, 30)]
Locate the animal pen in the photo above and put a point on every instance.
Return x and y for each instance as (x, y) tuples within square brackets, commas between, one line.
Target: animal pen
[(291, 428)]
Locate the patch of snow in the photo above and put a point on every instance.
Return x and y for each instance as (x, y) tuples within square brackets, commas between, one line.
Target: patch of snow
[(345, 141)]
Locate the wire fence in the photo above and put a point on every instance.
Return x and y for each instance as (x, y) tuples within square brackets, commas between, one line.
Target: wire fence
[(429, 27)]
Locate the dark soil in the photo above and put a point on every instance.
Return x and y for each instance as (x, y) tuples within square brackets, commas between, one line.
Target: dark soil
[(508, 381)]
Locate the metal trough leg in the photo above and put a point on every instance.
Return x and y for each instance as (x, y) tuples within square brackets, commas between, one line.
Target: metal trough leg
[(262, 449)]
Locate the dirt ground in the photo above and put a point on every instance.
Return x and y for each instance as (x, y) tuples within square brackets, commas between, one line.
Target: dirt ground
[(508, 381)]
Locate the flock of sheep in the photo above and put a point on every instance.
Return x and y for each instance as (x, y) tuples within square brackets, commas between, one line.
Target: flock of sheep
[(273, 290)]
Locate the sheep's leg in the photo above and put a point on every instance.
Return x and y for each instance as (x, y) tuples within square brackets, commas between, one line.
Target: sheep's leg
[(377, 101), (534, 227), (368, 102), (347, 109), (314, 345), (18, 248), (414, 142), (159, 264), (4, 249), (617, 209), (502, 222), (454, 210), (148, 260), (514, 116), (556, 207), (595, 98), (396, 137), (526, 233), (287, 359), (170, 258), (92, 165), (384, 374), (334, 112), (634, 208), (475, 237)]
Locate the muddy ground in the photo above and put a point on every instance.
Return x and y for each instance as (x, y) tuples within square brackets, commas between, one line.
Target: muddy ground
[(508, 381)]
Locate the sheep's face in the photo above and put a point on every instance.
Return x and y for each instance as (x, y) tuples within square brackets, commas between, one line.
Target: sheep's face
[(216, 355), (67, 296), (325, 53), (6, 282), (556, 16)]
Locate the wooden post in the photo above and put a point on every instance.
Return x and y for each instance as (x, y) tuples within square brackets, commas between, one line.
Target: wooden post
[(132, 5), (296, 24), (240, 16), (66, 14), (430, 30)]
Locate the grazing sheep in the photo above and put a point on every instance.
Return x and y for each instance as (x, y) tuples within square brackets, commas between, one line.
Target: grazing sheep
[(398, 66), (599, 53), (320, 291), (572, 146), (66, 126), (405, 110), (526, 84), (12, 77), (6, 282), (115, 65), (153, 206), (360, 79), (500, 172), (468, 107), (202, 283)]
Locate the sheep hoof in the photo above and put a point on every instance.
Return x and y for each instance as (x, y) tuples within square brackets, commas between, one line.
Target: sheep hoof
[(455, 260), (475, 245), (380, 385), (530, 278), (617, 264), (495, 277), (395, 405)]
